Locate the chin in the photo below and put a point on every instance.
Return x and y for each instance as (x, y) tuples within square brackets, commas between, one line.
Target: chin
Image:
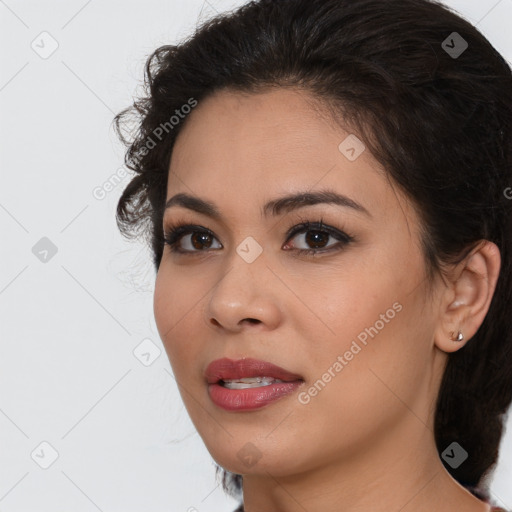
[(253, 458)]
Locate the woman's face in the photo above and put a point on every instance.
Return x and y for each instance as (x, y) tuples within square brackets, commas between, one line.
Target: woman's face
[(353, 321)]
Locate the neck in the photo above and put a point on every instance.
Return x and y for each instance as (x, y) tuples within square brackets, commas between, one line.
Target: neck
[(401, 471)]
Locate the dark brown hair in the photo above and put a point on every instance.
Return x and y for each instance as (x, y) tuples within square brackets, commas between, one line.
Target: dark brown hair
[(436, 115)]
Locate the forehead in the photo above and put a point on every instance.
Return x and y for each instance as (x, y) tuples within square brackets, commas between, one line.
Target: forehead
[(248, 147), (260, 128)]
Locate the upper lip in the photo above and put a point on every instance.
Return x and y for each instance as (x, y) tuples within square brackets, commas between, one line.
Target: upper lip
[(222, 369)]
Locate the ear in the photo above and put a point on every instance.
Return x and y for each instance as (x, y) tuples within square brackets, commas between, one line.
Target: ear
[(467, 297)]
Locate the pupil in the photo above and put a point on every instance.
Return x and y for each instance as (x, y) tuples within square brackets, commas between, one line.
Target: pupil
[(199, 238), (315, 239)]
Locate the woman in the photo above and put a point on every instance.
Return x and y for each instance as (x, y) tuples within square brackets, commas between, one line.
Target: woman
[(325, 185)]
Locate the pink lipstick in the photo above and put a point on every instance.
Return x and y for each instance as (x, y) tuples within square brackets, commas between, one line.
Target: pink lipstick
[(248, 384)]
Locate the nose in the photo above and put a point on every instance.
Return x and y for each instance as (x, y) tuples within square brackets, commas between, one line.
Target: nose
[(245, 297)]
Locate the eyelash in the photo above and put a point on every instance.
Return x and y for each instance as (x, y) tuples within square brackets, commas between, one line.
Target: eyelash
[(175, 232)]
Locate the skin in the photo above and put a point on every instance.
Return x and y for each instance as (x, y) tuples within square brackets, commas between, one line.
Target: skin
[(365, 442)]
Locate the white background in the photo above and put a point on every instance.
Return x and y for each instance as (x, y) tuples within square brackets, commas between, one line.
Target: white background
[(68, 327)]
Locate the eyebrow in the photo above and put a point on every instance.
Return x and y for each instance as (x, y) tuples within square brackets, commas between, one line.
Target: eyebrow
[(274, 207)]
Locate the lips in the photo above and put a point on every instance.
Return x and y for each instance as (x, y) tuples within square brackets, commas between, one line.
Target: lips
[(229, 369)]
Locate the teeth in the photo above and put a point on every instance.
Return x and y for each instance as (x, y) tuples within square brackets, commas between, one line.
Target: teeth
[(249, 382)]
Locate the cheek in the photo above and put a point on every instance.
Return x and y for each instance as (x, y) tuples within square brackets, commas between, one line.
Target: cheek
[(165, 306), (374, 318), (177, 305), (375, 366), (344, 305)]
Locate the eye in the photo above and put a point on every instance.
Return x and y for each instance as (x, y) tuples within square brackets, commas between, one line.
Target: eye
[(315, 236), (188, 238), (192, 239)]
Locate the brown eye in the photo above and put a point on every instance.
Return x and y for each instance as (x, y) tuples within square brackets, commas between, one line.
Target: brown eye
[(314, 238), (201, 240), (317, 239), (190, 239)]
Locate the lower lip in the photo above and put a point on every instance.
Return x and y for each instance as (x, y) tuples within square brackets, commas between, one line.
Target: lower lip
[(250, 398)]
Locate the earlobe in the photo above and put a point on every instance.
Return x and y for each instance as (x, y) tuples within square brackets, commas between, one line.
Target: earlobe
[(468, 297), (457, 337)]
